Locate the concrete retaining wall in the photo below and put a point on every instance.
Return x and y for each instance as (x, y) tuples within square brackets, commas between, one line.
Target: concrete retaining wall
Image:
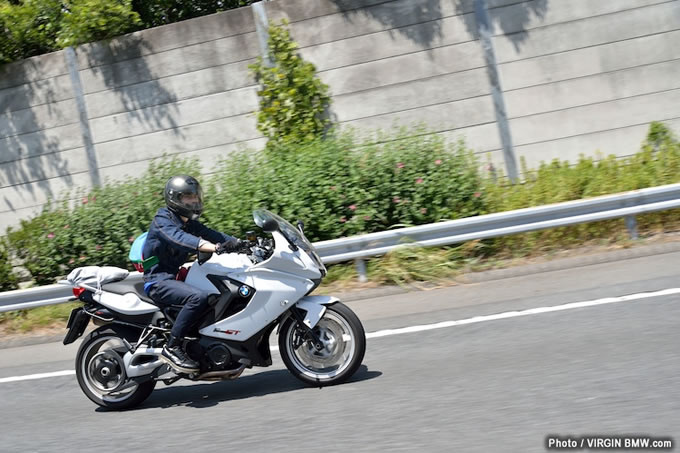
[(577, 76)]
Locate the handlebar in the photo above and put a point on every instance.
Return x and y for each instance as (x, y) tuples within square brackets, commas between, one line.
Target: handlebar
[(257, 250)]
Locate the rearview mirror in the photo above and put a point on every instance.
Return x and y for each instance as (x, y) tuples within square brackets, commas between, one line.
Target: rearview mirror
[(270, 225), (301, 226)]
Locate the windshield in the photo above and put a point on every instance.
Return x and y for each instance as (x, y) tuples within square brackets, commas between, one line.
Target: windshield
[(292, 234)]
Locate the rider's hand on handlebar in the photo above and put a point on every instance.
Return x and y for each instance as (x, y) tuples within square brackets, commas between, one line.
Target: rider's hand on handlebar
[(230, 246)]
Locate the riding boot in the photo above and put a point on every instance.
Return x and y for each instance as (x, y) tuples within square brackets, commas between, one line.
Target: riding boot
[(175, 355)]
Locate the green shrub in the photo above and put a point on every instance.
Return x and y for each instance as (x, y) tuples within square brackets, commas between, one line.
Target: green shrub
[(94, 20), (657, 163), (28, 28), (8, 280), (160, 12), (34, 27), (340, 186), (293, 99)]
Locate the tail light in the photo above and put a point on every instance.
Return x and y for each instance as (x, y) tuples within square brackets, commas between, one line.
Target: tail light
[(78, 291)]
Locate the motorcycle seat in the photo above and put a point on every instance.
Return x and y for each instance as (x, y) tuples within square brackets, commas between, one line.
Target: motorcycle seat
[(129, 285)]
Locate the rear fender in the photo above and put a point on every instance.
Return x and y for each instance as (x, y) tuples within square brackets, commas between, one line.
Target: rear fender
[(77, 323), (315, 307)]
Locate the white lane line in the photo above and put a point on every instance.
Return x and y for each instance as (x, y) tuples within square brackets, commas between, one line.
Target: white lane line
[(441, 325), (37, 376), (515, 314)]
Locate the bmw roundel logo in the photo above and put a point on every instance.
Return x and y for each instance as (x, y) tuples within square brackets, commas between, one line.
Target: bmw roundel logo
[(244, 291)]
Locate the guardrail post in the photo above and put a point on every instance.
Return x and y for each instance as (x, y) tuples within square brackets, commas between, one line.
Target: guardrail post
[(631, 225), (361, 270)]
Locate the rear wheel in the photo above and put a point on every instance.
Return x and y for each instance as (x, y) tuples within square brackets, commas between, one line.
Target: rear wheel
[(343, 344), (101, 372)]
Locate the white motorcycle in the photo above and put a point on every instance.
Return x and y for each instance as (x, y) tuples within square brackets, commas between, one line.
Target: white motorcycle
[(321, 341)]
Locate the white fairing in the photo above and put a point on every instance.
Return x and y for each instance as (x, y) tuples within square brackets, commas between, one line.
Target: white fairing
[(129, 304), (228, 264), (279, 282)]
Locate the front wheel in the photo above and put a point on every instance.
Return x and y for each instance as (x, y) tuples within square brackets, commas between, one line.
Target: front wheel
[(344, 344)]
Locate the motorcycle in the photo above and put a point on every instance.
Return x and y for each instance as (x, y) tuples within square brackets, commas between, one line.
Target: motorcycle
[(265, 287)]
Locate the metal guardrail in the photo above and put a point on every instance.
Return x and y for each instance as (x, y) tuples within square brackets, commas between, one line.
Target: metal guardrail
[(623, 205), (626, 205), (34, 297)]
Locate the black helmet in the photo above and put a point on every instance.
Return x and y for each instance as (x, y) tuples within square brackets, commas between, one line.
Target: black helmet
[(179, 186)]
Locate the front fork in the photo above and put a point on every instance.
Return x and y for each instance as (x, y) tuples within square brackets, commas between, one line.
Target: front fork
[(308, 311), (308, 332)]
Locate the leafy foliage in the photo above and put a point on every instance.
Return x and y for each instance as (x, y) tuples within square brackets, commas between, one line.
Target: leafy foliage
[(160, 12), (293, 100), (93, 20), (342, 186), (28, 28), (33, 27), (8, 280)]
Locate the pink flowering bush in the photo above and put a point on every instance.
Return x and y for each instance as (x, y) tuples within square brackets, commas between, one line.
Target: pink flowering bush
[(343, 186)]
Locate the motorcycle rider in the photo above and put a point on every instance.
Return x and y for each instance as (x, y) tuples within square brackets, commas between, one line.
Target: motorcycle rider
[(174, 234)]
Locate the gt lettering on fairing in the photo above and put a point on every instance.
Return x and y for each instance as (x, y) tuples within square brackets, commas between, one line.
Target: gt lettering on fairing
[(228, 331)]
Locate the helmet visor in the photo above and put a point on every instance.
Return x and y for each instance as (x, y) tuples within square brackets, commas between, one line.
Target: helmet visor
[(192, 201)]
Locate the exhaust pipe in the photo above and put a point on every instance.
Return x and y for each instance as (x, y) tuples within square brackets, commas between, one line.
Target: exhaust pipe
[(221, 375)]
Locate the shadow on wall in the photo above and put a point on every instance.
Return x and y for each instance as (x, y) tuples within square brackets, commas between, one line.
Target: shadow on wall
[(398, 15), (122, 65), (511, 19), (36, 127), (27, 152)]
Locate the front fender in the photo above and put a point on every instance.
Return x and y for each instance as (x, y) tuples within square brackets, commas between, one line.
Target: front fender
[(315, 306)]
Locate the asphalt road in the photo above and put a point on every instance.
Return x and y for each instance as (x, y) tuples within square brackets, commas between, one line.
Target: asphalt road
[(484, 386)]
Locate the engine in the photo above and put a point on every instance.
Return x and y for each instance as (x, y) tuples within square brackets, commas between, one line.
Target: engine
[(218, 356)]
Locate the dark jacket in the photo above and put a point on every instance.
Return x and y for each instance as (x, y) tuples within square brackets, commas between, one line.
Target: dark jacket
[(171, 241)]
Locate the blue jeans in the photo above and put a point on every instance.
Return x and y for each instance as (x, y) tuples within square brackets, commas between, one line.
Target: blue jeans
[(175, 292)]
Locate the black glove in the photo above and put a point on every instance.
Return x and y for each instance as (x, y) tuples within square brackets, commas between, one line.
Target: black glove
[(232, 245)]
